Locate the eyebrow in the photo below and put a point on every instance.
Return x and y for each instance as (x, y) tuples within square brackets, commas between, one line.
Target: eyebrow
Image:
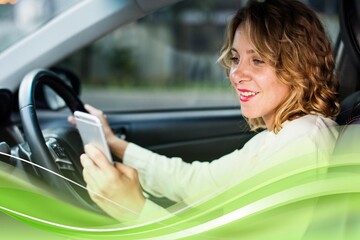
[(250, 51)]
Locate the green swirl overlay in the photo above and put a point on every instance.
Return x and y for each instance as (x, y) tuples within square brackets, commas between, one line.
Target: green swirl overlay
[(312, 202)]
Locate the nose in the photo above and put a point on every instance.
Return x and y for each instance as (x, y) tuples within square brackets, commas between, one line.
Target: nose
[(239, 73)]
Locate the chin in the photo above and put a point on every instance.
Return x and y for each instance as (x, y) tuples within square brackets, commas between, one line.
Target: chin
[(249, 115)]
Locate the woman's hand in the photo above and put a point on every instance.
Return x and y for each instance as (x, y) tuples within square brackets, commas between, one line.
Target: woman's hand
[(117, 145), (115, 188), (102, 117)]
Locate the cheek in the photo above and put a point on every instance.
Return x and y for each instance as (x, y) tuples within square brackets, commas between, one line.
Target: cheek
[(285, 91), (231, 71), (282, 94), (232, 76), (280, 89)]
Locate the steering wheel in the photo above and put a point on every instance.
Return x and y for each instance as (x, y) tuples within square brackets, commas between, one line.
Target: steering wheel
[(52, 153)]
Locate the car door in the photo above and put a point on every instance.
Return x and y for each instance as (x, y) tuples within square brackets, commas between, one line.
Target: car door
[(203, 134)]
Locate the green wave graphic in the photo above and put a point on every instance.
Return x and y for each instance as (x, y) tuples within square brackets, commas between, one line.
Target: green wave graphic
[(286, 201)]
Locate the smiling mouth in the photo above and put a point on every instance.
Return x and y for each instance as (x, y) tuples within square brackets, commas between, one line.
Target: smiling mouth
[(247, 95)]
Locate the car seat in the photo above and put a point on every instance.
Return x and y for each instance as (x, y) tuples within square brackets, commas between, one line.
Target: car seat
[(343, 214), (343, 220), (349, 117), (350, 110)]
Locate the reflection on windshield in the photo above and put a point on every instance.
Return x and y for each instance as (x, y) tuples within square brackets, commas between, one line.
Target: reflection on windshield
[(19, 18)]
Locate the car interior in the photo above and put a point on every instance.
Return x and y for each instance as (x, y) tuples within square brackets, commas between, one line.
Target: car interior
[(34, 122), (349, 113)]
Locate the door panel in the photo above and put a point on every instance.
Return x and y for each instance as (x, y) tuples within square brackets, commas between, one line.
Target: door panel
[(202, 135)]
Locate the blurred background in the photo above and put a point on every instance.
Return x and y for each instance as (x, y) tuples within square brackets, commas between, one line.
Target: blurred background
[(165, 60)]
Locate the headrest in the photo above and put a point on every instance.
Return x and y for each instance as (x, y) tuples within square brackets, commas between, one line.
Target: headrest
[(350, 110)]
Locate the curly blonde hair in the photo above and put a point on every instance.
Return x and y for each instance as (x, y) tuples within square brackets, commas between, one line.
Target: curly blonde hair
[(289, 36)]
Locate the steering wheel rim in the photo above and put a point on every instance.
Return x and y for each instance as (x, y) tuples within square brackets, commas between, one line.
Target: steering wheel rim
[(40, 153)]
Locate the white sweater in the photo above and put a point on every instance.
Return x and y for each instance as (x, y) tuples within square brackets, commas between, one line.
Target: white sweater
[(311, 135)]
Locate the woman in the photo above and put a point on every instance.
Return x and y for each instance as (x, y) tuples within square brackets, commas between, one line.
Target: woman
[(279, 61)]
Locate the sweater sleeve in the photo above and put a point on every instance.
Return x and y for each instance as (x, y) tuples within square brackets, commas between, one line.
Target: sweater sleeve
[(180, 181)]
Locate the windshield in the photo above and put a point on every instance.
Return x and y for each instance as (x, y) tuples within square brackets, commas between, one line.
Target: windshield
[(19, 18)]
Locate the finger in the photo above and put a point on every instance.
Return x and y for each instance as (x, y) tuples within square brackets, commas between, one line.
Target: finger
[(89, 107), (98, 158), (91, 184), (129, 172), (93, 110), (86, 162), (93, 189), (98, 113), (91, 174), (90, 167), (71, 120)]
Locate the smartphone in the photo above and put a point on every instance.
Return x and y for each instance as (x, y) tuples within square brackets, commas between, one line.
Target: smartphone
[(92, 132)]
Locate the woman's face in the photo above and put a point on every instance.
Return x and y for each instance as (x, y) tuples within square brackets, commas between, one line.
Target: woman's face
[(255, 81)]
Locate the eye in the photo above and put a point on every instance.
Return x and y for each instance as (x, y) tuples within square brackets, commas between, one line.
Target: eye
[(234, 60), (257, 61)]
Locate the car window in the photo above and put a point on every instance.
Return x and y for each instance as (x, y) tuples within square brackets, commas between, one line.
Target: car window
[(328, 14), (167, 60), (19, 18)]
